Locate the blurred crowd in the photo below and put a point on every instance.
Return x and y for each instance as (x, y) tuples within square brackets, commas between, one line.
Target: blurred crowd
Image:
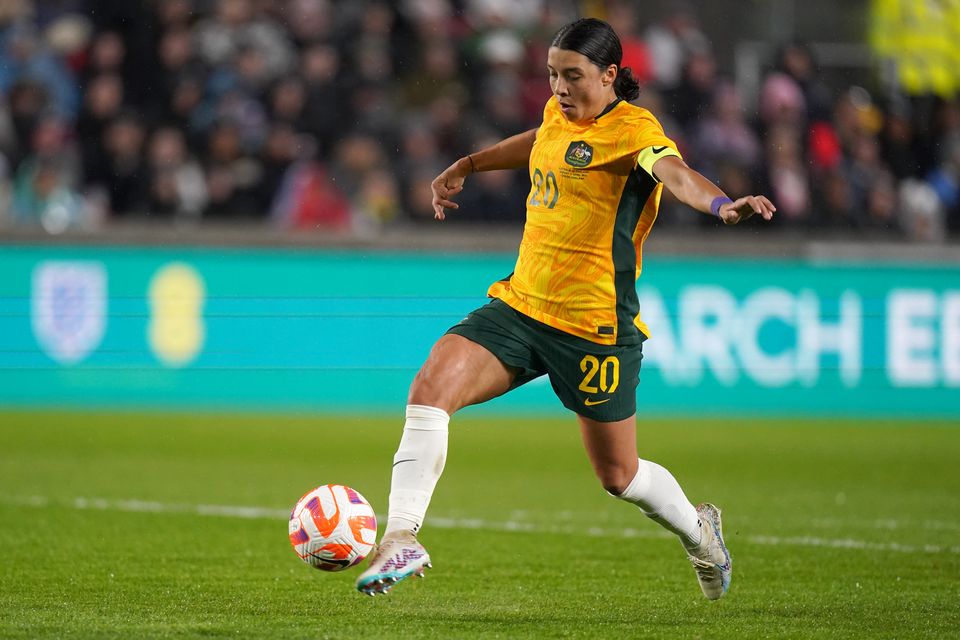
[(336, 114)]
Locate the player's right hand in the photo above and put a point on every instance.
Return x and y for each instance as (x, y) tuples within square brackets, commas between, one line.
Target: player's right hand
[(445, 186)]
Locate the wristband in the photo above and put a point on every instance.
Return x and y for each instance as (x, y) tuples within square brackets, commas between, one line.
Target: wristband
[(718, 202), (473, 167)]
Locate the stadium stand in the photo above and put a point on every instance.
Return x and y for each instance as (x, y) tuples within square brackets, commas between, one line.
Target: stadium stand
[(307, 114)]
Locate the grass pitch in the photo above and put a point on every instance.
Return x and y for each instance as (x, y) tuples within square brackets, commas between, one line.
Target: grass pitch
[(157, 526)]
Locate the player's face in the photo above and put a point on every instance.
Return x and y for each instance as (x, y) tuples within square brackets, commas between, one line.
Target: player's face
[(581, 88)]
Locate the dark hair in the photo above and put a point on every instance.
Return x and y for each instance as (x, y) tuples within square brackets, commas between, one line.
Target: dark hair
[(597, 40)]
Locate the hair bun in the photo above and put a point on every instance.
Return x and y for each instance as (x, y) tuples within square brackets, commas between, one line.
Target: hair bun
[(626, 85)]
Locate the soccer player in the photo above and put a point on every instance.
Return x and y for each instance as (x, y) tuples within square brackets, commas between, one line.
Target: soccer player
[(569, 310)]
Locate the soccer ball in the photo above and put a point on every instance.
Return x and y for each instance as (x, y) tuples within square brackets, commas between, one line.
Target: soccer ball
[(333, 527)]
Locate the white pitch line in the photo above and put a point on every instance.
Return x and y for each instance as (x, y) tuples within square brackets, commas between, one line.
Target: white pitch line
[(268, 513), (887, 523)]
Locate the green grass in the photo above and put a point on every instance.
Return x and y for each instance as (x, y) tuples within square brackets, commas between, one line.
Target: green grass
[(792, 493)]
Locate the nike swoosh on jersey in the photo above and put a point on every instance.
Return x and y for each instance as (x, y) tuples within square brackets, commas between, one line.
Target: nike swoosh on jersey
[(591, 403), (658, 149), (407, 460)]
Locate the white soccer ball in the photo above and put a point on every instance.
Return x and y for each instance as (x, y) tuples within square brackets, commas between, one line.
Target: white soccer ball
[(333, 527)]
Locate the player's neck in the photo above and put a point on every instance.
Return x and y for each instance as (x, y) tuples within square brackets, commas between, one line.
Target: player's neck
[(602, 107)]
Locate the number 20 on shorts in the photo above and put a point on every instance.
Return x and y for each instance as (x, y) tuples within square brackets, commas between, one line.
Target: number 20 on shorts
[(606, 372)]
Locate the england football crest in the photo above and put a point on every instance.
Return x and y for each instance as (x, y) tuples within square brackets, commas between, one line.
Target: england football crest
[(579, 154), (69, 308)]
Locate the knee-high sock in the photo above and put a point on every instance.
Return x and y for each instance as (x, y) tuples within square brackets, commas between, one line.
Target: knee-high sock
[(417, 466), (659, 496)]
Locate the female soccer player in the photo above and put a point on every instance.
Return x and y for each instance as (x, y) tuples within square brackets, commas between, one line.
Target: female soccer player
[(569, 310)]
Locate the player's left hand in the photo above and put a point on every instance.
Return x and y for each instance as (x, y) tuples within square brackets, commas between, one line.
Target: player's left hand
[(742, 208)]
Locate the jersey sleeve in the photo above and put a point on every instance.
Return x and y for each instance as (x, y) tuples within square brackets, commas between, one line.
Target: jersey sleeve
[(652, 143)]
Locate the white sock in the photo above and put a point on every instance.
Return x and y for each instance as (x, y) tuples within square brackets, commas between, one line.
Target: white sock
[(417, 466), (659, 496)]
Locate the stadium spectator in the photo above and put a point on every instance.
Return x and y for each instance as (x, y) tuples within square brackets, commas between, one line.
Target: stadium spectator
[(945, 179), (102, 104), (121, 170), (671, 40), (309, 21), (689, 100), (237, 30), (782, 103), (233, 175), (723, 137), (177, 186), (309, 199), (881, 205), (898, 141), (435, 76), (622, 16), (786, 174), (106, 55), (178, 57), (864, 171), (25, 58), (326, 105), (796, 60), (174, 14), (922, 213), (281, 149), (44, 188)]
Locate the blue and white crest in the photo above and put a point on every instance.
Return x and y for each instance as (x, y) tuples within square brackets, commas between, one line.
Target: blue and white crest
[(69, 308)]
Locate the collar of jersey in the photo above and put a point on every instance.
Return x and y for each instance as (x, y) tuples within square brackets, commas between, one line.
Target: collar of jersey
[(610, 107)]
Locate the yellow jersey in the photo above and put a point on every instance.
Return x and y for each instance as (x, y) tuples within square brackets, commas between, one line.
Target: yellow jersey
[(593, 200)]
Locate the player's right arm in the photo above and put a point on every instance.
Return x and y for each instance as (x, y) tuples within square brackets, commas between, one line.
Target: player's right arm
[(511, 153)]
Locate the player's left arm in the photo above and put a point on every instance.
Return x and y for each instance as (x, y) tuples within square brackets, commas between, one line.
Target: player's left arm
[(693, 189)]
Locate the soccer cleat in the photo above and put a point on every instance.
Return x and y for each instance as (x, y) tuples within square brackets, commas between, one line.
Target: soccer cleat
[(398, 556), (711, 560)]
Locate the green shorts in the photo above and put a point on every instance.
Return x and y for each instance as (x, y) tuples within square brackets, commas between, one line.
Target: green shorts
[(593, 380)]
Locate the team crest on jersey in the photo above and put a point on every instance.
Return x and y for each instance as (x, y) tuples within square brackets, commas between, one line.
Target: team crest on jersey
[(579, 154)]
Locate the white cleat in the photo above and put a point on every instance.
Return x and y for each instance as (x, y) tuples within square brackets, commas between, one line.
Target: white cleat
[(711, 560), (398, 556)]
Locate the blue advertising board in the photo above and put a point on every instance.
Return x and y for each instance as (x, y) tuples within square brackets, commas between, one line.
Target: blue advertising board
[(344, 331)]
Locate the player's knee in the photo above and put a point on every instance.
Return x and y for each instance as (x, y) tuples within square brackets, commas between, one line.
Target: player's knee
[(423, 390), (426, 389), (615, 479)]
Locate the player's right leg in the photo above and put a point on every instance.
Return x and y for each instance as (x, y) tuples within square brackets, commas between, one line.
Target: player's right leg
[(458, 372)]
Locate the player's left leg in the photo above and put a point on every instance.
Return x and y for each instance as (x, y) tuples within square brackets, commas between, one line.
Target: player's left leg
[(611, 447)]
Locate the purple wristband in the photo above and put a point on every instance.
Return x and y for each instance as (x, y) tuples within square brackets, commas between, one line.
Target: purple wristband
[(718, 202)]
